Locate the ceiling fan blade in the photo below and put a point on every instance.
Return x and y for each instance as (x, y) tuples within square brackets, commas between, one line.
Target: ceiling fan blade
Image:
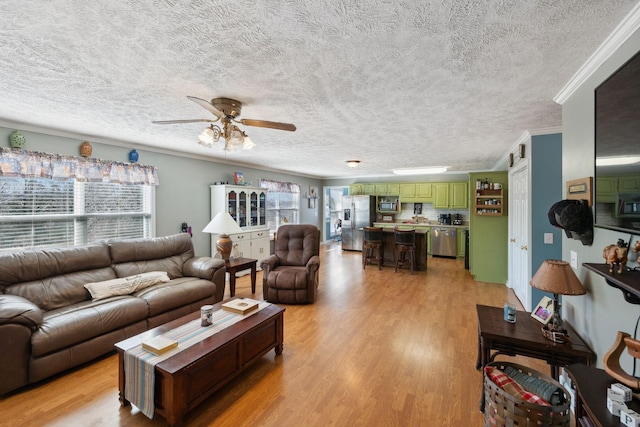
[(207, 106), (170, 122), (266, 124)]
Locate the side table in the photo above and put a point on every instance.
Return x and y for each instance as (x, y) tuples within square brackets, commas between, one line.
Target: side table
[(591, 396), (524, 337), (239, 264)]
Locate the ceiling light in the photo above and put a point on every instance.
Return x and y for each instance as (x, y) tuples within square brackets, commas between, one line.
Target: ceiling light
[(617, 160), (353, 163), (209, 136), (420, 171)]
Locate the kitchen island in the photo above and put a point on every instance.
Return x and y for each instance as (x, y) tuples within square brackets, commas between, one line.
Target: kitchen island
[(389, 243), (427, 227)]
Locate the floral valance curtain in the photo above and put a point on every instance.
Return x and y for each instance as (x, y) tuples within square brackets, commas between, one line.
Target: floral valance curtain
[(279, 186), (33, 164)]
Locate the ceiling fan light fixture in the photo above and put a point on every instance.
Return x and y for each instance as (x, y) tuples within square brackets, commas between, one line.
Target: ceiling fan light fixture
[(353, 163), (248, 143), (420, 171), (209, 136)]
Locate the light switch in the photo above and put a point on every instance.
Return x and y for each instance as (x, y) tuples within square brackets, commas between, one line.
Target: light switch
[(574, 259), (548, 238)]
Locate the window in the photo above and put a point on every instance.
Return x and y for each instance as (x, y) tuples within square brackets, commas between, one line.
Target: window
[(283, 203), (39, 212)]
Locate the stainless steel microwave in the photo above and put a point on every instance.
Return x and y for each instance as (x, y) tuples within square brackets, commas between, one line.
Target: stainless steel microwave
[(387, 206)]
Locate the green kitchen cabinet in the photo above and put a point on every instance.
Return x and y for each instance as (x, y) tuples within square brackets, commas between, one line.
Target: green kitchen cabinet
[(355, 189), (388, 189), (407, 192), (393, 189), (424, 192), (462, 234), (369, 189), (450, 195), (607, 189), (628, 183)]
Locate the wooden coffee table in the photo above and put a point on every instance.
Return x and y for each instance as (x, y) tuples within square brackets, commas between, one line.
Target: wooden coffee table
[(187, 378)]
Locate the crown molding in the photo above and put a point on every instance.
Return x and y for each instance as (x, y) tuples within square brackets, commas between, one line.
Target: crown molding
[(620, 34)]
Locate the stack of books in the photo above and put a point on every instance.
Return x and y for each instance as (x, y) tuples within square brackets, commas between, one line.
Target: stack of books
[(159, 345), (241, 305)]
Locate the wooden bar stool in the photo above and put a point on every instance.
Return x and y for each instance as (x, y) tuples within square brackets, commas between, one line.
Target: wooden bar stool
[(372, 248), (405, 253)]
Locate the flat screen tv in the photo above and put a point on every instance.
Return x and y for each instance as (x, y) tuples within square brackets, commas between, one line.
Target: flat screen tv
[(617, 150)]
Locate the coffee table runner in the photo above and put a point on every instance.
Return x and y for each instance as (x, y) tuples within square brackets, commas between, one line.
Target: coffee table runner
[(139, 364)]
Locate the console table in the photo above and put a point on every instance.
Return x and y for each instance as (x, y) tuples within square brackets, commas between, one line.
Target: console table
[(524, 337), (591, 396)]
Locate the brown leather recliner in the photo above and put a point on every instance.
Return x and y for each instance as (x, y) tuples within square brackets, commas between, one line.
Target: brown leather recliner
[(290, 275)]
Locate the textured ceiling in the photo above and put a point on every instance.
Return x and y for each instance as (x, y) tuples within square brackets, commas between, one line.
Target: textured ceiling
[(397, 83)]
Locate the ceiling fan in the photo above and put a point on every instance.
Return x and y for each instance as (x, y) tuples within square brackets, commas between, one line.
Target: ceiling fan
[(226, 110)]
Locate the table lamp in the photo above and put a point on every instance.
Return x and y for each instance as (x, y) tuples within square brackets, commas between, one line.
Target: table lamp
[(558, 278), (223, 224)]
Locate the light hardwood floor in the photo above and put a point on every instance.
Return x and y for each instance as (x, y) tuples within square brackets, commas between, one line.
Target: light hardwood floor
[(375, 349)]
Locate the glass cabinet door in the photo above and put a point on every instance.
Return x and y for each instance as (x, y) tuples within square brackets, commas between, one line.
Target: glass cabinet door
[(242, 209), (262, 208), (232, 202), (254, 209)]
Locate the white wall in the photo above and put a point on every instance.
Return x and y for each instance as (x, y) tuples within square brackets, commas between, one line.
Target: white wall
[(602, 312)]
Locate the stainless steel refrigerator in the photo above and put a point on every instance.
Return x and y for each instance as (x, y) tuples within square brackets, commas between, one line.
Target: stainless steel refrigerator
[(357, 212)]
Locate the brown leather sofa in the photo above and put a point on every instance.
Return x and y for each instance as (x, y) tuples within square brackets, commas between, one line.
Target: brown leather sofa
[(290, 275), (49, 322)]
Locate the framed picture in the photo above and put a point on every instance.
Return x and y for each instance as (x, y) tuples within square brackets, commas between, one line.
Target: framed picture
[(312, 203), (238, 178), (312, 192), (543, 311)]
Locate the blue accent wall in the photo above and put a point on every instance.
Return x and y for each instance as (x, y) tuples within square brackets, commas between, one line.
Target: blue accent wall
[(546, 189)]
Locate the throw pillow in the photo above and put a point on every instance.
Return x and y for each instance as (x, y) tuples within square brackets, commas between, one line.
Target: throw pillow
[(125, 285)]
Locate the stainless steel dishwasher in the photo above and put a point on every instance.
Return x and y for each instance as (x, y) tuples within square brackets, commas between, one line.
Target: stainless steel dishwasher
[(444, 241)]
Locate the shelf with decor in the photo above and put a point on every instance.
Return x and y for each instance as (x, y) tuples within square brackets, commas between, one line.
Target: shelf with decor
[(489, 202), (627, 281)]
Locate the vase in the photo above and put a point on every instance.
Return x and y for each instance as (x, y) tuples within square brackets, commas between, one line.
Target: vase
[(17, 139), (86, 149), (133, 156)]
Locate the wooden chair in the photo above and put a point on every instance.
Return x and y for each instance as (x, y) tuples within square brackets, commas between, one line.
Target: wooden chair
[(372, 247), (405, 253)]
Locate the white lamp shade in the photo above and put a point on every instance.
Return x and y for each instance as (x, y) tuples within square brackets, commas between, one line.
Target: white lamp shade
[(222, 223)]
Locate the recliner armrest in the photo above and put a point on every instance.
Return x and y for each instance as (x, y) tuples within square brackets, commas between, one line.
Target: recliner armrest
[(18, 310), (314, 263), (269, 264), (202, 267)]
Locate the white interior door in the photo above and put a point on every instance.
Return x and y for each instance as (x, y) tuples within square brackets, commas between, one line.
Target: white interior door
[(519, 235)]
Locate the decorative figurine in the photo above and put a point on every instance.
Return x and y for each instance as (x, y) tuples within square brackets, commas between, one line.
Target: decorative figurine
[(616, 254), (17, 139), (86, 149), (133, 156), (636, 249)]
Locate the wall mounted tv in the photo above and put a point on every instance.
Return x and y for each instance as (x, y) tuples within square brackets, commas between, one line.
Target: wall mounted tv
[(617, 150)]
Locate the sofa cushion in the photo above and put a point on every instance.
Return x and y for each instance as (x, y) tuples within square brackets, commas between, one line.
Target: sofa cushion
[(136, 256), (76, 323), (125, 285), (53, 278), (175, 293), (59, 291)]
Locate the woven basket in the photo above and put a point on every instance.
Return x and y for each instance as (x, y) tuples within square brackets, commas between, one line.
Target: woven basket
[(504, 409)]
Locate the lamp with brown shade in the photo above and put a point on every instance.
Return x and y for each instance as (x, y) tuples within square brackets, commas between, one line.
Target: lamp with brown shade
[(558, 278)]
